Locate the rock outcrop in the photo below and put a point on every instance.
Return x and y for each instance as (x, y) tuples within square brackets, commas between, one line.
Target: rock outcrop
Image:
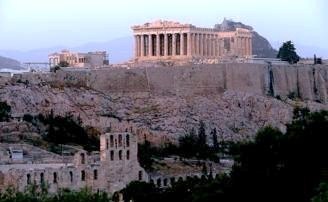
[(165, 103), (261, 46)]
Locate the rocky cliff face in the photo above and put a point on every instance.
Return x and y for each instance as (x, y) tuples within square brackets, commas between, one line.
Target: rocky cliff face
[(261, 46), (165, 103)]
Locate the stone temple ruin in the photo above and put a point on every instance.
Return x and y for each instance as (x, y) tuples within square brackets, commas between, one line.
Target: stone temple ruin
[(166, 40), (109, 170)]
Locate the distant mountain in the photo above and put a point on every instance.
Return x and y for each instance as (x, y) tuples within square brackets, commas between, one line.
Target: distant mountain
[(119, 50), (8, 63), (261, 46)]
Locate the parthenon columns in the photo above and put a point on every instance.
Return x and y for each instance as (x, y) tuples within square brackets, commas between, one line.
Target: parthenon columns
[(188, 44)]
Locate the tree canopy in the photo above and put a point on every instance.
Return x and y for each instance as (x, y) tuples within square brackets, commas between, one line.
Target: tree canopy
[(287, 52), (5, 110)]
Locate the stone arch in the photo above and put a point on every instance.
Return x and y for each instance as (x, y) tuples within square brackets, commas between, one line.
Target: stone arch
[(71, 176), (28, 178), (159, 182), (127, 155), (172, 180), (111, 141), (120, 155), (127, 140), (112, 155), (120, 140), (55, 178), (95, 174), (82, 158), (165, 182), (41, 177), (82, 175)]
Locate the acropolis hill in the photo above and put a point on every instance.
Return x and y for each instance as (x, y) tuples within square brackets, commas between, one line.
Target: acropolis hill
[(166, 102)]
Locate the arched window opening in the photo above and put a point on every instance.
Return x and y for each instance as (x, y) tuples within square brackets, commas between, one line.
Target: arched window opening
[(112, 155), (82, 156), (127, 140), (120, 155), (28, 180), (159, 182), (95, 174), (55, 180), (41, 178), (111, 140), (172, 180), (120, 140), (165, 182), (127, 155), (71, 176), (82, 175)]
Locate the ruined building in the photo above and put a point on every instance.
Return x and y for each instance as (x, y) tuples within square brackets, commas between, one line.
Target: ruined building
[(110, 171), (79, 60), (172, 40)]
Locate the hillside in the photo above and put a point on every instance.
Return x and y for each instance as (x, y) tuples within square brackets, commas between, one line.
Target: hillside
[(8, 63), (166, 103)]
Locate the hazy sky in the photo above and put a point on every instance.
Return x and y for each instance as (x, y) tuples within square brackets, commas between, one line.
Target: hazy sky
[(30, 24)]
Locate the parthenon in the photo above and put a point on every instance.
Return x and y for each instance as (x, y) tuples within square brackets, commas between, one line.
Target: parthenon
[(172, 40)]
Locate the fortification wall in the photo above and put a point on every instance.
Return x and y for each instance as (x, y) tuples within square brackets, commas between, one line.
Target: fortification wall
[(304, 81), (307, 82)]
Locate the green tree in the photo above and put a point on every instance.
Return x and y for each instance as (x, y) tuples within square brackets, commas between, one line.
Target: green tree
[(63, 64), (322, 195), (287, 53), (5, 110), (216, 144)]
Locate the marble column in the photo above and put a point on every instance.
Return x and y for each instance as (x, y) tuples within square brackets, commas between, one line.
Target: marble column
[(174, 44), (157, 45), (142, 43), (250, 47), (189, 44), (204, 45), (166, 43), (182, 44), (215, 46), (135, 46), (150, 43), (211, 45), (244, 47), (201, 45), (196, 44), (240, 50)]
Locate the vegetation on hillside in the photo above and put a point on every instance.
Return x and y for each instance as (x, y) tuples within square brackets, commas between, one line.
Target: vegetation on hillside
[(287, 52), (65, 130), (191, 145), (5, 110), (273, 167)]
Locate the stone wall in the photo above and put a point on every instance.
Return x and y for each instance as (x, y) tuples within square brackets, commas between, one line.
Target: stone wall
[(305, 81)]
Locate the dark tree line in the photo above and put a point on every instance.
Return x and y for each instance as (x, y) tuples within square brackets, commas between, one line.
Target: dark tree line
[(5, 110), (274, 167), (192, 145), (65, 130)]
